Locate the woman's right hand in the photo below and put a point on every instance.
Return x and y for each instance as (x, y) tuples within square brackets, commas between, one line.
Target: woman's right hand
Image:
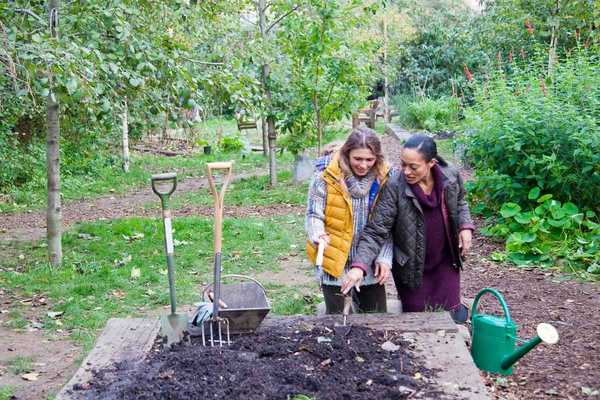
[(325, 238)]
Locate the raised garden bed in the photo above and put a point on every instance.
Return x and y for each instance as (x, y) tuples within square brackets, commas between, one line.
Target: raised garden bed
[(380, 357)]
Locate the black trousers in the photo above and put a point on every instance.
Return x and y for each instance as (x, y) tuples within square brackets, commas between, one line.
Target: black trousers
[(371, 298)]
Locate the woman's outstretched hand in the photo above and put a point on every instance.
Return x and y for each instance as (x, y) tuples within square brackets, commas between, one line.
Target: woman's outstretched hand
[(464, 241), (382, 272), (352, 279)]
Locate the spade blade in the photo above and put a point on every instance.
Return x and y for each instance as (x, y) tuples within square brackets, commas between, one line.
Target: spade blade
[(173, 326)]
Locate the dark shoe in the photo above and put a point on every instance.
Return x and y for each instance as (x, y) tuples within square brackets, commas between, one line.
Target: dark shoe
[(460, 315)]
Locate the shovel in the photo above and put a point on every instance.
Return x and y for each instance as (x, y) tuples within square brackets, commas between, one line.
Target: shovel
[(174, 325), (215, 323)]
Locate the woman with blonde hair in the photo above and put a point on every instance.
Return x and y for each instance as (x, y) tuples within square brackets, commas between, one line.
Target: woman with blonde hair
[(340, 198)]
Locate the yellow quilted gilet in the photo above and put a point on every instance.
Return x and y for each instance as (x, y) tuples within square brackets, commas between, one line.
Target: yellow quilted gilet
[(338, 221)]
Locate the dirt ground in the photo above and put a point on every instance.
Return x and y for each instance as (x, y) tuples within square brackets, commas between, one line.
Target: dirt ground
[(568, 370)]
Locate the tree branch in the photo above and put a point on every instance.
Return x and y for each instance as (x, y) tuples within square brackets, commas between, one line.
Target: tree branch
[(278, 20), (29, 12)]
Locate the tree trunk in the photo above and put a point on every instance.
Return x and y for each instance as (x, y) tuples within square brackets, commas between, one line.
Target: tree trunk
[(318, 122), (53, 211), (265, 71), (272, 144), (265, 136), (553, 43), (386, 92), (125, 137), (165, 133)]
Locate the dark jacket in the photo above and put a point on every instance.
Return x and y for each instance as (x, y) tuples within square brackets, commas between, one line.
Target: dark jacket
[(399, 213)]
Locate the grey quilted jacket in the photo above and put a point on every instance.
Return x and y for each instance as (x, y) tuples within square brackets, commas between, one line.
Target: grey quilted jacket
[(398, 213)]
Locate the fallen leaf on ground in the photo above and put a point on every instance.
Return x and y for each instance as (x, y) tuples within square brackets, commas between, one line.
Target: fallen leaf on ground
[(135, 273), (32, 376), (54, 314), (325, 362), (389, 346), (588, 391)]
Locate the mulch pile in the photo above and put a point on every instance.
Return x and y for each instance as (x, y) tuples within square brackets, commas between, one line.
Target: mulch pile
[(280, 363)]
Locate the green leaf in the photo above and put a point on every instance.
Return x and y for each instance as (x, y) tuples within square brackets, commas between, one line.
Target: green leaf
[(594, 268), (528, 237), (557, 223), (72, 85), (135, 82), (570, 209), (534, 193), (509, 210), (524, 218), (545, 197), (590, 214)]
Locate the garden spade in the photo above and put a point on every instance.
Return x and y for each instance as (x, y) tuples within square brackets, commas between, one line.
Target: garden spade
[(174, 325), (216, 323)]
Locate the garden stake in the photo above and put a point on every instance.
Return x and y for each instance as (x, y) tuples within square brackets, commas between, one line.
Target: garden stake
[(174, 325), (215, 322)]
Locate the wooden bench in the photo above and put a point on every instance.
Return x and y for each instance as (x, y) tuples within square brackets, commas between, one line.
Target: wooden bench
[(246, 124), (366, 115)]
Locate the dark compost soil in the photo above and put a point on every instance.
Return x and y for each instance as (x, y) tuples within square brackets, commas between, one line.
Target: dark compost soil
[(278, 364)]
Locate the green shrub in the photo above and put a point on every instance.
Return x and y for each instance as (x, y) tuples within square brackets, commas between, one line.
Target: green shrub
[(231, 143), (433, 115), (550, 234), (529, 132)]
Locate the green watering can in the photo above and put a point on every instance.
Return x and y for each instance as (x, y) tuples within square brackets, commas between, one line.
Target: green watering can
[(493, 345)]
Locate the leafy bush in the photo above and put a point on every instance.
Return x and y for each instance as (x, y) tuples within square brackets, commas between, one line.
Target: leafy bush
[(532, 132), (231, 143), (433, 115), (550, 233)]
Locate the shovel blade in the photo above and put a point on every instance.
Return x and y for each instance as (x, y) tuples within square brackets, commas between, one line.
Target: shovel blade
[(173, 326)]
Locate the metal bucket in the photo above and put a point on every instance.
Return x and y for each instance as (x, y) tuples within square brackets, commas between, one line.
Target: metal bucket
[(247, 303)]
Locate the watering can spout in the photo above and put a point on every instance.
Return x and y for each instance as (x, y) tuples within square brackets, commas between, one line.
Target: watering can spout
[(545, 333)]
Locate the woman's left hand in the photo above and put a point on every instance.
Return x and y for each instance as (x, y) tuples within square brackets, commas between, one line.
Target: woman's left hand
[(464, 241), (353, 278), (382, 272)]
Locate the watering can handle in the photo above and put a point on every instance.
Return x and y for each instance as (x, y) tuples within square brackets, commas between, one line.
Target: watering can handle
[(497, 295)]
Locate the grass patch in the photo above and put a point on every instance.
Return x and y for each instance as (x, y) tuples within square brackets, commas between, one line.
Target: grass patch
[(252, 191), (7, 392), (287, 300), (118, 268), (112, 179), (20, 365)]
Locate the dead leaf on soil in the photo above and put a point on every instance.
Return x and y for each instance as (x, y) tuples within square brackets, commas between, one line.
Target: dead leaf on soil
[(389, 346), (588, 391), (54, 314), (325, 362), (32, 376), (2, 370)]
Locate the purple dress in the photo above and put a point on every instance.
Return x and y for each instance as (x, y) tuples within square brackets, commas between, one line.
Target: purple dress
[(440, 288)]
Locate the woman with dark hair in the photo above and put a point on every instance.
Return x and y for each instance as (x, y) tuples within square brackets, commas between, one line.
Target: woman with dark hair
[(340, 197), (424, 211)]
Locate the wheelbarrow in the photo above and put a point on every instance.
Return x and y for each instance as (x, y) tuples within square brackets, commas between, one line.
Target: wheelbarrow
[(246, 303)]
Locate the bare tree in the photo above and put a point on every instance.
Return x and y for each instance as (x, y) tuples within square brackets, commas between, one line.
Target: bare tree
[(53, 212), (125, 136)]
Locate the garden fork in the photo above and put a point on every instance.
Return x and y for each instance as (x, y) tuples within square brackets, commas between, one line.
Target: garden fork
[(215, 323)]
